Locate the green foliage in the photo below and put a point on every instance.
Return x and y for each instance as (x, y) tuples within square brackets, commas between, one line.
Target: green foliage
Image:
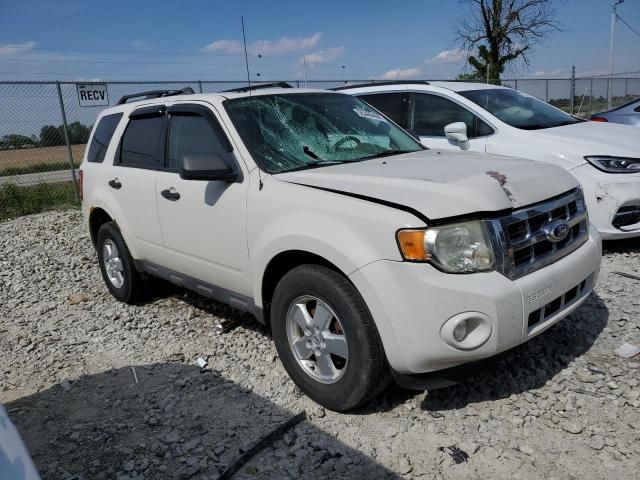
[(16, 141), (486, 67), (51, 136), (16, 201)]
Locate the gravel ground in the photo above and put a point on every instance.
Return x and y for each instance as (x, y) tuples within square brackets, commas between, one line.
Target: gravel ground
[(562, 406)]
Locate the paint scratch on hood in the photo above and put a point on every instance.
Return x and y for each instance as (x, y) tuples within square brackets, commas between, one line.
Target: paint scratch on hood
[(502, 180)]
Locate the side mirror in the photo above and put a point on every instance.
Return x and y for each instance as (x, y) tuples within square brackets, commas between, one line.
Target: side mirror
[(457, 132), (207, 166)]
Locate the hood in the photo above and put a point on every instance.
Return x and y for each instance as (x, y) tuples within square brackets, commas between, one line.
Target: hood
[(594, 138), (442, 184)]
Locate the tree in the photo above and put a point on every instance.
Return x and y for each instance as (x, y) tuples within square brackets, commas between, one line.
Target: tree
[(78, 133), (51, 136), (13, 140), (499, 32)]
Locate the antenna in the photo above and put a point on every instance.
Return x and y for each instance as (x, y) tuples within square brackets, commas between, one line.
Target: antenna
[(246, 58)]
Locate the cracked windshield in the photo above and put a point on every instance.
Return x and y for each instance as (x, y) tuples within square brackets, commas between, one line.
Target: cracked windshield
[(299, 131)]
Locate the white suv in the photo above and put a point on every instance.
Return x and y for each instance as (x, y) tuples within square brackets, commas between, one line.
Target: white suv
[(605, 158), (366, 254)]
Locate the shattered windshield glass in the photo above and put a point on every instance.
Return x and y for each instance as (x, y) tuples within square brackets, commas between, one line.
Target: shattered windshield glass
[(305, 130)]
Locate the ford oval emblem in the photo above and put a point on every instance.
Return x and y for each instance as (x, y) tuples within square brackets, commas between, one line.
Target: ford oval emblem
[(556, 230)]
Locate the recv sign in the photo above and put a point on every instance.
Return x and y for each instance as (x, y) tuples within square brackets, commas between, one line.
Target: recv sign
[(92, 94)]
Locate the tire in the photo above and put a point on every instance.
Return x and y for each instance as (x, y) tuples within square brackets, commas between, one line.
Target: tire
[(121, 277), (330, 379)]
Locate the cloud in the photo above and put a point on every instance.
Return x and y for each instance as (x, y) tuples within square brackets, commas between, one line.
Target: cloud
[(449, 56), (13, 48), (264, 47), (542, 73), (322, 56), (140, 43), (401, 73)]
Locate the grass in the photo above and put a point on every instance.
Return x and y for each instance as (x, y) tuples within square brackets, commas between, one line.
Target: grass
[(16, 201), (36, 168)]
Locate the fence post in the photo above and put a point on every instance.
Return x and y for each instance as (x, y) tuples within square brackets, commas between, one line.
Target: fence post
[(516, 84), (626, 87), (590, 97), (66, 139), (546, 90), (200, 85), (573, 89)]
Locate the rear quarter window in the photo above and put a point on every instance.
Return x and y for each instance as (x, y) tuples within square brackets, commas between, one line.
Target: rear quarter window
[(102, 137)]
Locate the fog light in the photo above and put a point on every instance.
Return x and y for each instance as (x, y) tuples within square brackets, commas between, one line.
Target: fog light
[(467, 331), (460, 332)]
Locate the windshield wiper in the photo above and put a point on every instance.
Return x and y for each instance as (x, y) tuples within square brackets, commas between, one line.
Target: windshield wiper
[(387, 153), (316, 164), (310, 153)]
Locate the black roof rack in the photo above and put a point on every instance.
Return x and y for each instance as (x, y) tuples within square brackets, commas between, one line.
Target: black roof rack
[(155, 94), (260, 86), (381, 84)]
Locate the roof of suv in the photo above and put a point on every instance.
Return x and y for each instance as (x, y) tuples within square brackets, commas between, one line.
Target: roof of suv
[(419, 85), (219, 96)]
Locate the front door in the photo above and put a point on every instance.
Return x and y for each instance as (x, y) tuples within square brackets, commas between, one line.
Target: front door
[(203, 222), (430, 113)]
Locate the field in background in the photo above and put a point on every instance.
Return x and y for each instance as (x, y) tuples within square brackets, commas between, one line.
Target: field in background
[(34, 160)]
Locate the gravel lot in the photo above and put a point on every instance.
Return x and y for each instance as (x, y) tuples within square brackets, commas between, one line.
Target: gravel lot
[(562, 406)]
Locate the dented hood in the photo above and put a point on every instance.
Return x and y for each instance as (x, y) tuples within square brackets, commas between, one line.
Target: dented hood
[(442, 184)]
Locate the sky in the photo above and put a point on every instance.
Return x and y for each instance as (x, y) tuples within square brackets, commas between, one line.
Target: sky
[(197, 39)]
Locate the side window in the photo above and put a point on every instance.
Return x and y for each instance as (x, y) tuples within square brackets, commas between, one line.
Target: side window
[(193, 134), (102, 136), (143, 142), (393, 105), (431, 113)]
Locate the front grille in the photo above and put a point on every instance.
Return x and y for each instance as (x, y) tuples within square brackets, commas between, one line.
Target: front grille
[(554, 306), (526, 235)]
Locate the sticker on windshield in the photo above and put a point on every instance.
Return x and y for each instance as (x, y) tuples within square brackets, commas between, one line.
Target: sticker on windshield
[(361, 112)]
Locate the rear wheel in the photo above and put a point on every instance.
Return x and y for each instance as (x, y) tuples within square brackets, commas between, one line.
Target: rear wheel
[(116, 265), (326, 338)]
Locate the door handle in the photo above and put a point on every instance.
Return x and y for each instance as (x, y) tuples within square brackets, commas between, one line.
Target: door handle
[(170, 194), (115, 183)]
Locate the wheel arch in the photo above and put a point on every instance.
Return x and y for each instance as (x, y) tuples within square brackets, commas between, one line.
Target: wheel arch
[(284, 262), (97, 218)]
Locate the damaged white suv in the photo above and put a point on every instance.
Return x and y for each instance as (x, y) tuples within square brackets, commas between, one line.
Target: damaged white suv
[(368, 256)]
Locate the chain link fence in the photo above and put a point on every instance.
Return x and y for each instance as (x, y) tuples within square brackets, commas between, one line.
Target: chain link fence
[(44, 130)]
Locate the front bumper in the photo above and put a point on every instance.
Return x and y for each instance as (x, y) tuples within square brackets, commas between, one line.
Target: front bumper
[(410, 303), (605, 195)]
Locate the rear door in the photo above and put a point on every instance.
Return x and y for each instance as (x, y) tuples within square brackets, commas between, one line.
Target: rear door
[(203, 222), (132, 178)]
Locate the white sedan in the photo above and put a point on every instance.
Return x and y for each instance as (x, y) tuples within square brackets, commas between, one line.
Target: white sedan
[(604, 157), (15, 462)]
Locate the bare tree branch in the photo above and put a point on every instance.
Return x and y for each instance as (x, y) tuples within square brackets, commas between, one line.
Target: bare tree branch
[(509, 29)]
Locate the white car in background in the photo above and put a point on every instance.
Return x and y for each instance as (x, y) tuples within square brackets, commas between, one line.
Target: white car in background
[(15, 462), (605, 158)]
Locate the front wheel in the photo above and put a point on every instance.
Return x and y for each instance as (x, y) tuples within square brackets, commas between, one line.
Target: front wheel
[(326, 338)]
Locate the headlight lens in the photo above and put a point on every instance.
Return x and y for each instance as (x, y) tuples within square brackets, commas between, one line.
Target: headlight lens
[(614, 164), (456, 248)]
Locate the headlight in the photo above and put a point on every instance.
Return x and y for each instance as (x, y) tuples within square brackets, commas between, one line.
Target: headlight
[(614, 164), (456, 248)]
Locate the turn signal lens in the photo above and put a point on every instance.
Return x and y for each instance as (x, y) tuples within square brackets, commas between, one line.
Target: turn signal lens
[(599, 119), (412, 245)]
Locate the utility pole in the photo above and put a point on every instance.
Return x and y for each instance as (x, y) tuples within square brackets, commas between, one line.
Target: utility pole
[(304, 63), (614, 15)]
